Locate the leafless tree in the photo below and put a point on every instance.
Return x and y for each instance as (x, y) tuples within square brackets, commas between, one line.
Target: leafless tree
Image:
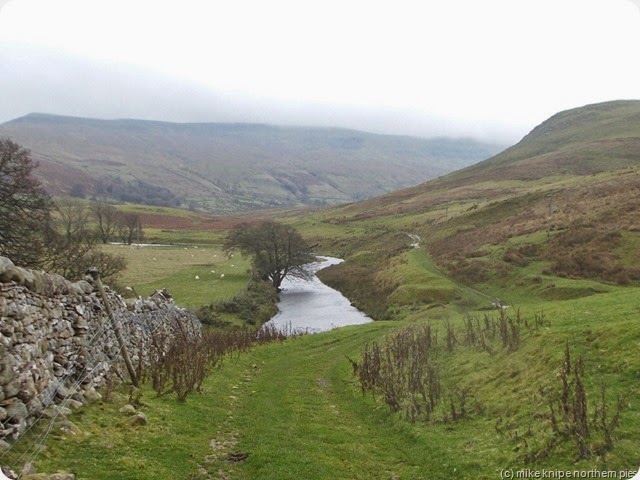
[(129, 227), (73, 218), (36, 233), (106, 217)]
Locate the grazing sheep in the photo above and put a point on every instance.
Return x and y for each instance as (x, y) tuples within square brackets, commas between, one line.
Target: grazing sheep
[(197, 277), (222, 275)]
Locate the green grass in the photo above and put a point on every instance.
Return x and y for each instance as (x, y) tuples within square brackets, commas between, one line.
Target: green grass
[(418, 281), (293, 408), (298, 412), (175, 268)]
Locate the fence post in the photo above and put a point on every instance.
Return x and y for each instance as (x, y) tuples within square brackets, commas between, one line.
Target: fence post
[(95, 274)]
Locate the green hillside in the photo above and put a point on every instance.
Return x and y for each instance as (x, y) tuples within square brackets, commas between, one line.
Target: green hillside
[(230, 167)]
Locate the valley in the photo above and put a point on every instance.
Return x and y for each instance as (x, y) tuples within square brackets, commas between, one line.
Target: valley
[(488, 281)]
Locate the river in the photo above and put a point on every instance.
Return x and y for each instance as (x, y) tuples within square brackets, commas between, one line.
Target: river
[(310, 306)]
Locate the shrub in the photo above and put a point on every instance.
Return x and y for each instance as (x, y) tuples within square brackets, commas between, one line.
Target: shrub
[(255, 305), (569, 413)]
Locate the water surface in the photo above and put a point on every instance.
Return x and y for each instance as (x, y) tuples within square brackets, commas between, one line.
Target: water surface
[(311, 306)]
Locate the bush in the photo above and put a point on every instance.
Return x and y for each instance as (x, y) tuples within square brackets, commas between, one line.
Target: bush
[(255, 305)]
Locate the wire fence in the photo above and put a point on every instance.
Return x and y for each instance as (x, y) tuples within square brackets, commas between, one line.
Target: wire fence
[(95, 356)]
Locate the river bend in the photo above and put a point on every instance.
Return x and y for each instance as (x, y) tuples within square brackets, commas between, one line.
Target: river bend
[(310, 306)]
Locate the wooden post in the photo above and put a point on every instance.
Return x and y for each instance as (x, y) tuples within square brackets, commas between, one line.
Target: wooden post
[(95, 274)]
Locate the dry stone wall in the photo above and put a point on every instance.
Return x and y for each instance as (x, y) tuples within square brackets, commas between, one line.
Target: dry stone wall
[(57, 344)]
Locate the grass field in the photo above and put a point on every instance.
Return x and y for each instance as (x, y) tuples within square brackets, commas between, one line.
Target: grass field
[(296, 410), (194, 275)]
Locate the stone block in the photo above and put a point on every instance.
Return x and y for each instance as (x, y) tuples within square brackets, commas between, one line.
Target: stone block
[(16, 412), (137, 419)]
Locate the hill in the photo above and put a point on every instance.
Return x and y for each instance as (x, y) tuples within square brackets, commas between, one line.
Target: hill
[(230, 167), (567, 194)]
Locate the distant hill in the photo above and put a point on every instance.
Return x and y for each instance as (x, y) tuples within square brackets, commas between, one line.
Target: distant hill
[(230, 167)]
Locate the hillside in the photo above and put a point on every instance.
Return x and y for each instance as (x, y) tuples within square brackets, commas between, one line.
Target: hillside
[(230, 167), (549, 229), (567, 194)]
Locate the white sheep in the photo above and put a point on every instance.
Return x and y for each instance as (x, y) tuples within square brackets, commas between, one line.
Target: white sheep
[(222, 275), (197, 277)]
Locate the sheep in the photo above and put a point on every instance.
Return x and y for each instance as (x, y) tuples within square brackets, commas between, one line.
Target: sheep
[(222, 275), (197, 277)]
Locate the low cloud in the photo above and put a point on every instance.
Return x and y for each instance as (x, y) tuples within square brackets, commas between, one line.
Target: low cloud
[(37, 80), (3, 3)]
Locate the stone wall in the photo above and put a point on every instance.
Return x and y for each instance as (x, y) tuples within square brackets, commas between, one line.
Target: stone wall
[(57, 345)]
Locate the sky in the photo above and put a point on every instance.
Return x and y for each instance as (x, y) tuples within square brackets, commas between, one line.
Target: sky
[(493, 69)]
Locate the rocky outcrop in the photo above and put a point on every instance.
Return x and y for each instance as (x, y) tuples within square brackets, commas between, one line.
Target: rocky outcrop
[(57, 345)]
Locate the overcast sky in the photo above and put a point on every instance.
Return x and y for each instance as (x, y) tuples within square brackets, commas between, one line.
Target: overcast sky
[(488, 68)]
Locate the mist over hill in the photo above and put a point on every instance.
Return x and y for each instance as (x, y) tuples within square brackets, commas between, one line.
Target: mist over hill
[(224, 167)]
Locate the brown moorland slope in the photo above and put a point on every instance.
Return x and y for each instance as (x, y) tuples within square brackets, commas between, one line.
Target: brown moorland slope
[(567, 197)]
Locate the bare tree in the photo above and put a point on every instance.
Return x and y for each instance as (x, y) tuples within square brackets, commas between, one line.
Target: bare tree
[(129, 228), (67, 238), (106, 217), (36, 233), (73, 218)]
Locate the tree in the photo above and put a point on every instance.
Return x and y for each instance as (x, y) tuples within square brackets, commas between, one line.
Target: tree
[(24, 206), (36, 233), (73, 218), (106, 218), (69, 242), (277, 250), (129, 228)]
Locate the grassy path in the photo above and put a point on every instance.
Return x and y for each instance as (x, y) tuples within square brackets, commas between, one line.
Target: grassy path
[(299, 414)]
